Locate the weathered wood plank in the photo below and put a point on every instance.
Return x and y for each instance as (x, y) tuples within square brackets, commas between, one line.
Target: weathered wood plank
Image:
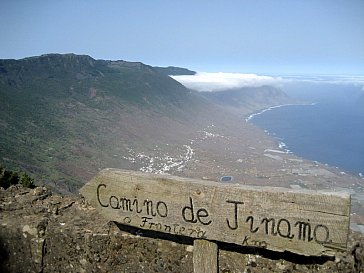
[(299, 221), (205, 255)]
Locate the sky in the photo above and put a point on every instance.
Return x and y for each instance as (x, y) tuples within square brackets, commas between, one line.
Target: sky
[(243, 36)]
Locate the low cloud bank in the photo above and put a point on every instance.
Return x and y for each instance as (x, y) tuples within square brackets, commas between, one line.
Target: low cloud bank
[(210, 82), (203, 81)]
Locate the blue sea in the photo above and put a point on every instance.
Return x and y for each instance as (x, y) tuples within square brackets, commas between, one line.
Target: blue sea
[(328, 129)]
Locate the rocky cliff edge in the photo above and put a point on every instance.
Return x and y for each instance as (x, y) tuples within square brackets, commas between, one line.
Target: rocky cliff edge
[(44, 232)]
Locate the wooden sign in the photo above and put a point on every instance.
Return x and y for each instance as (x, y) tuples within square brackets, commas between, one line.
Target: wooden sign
[(299, 221)]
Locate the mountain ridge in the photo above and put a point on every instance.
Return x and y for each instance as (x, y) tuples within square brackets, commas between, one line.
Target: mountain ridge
[(174, 71)]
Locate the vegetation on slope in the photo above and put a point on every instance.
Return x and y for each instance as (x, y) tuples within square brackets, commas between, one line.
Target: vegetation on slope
[(9, 178), (65, 117)]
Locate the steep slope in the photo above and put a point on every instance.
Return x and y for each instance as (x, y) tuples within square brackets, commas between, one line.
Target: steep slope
[(247, 99), (61, 115), (65, 117)]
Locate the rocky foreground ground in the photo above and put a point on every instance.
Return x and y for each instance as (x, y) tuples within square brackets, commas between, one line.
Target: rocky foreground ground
[(45, 232)]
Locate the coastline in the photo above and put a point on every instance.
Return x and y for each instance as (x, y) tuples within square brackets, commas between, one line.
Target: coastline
[(251, 116), (282, 145), (314, 174)]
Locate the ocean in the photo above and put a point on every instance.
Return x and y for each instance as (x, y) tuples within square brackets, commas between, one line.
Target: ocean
[(329, 130)]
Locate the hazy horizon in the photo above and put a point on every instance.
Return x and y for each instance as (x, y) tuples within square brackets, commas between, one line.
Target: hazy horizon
[(261, 37)]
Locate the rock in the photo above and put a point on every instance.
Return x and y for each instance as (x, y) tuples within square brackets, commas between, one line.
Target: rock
[(358, 252), (33, 240), (39, 191), (281, 266), (30, 230), (189, 248)]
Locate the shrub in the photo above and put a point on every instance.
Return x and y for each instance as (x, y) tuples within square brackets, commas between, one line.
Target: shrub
[(8, 178), (5, 179), (27, 181), (14, 178)]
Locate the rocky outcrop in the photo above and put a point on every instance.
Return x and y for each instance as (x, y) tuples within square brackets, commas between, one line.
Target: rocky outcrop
[(44, 232)]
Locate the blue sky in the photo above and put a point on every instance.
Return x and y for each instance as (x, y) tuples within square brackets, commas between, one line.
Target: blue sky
[(266, 37)]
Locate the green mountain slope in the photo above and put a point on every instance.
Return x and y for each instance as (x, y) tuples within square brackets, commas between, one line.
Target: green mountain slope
[(65, 117), (56, 76)]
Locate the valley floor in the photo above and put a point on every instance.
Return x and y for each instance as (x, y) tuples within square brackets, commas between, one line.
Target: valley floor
[(246, 153)]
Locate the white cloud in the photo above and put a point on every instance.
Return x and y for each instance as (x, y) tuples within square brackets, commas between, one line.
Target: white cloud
[(203, 81)]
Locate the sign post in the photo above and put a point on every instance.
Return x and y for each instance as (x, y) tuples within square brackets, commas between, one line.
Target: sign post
[(305, 222), (205, 256)]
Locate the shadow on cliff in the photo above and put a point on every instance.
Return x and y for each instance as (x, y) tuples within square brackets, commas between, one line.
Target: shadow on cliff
[(269, 254), (4, 256)]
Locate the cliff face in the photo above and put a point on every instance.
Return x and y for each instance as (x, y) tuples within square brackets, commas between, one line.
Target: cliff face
[(249, 99), (44, 232)]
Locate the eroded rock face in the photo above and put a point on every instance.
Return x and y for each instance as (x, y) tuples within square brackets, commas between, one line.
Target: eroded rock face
[(43, 232)]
